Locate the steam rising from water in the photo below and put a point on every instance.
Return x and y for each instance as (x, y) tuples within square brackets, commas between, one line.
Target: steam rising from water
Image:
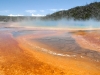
[(64, 23)]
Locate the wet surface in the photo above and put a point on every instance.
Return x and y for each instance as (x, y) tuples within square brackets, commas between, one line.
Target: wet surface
[(28, 32), (25, 51), (65, 44), (16, 61), (21, 33)]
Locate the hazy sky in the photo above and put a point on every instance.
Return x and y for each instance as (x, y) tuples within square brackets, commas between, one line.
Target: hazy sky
[(38, 7)]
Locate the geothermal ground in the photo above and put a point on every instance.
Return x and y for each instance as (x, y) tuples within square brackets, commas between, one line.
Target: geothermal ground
[(25, 51)]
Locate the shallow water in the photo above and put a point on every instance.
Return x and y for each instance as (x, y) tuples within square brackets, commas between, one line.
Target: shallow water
[(62, 24), (62, 43), (66, 45), (25, 51)]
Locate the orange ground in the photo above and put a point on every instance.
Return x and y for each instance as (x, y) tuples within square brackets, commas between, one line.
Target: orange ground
[(18, 57), (88, 40)]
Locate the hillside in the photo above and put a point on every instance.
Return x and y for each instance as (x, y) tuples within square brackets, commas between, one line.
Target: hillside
[(88, 11), (17, 18)]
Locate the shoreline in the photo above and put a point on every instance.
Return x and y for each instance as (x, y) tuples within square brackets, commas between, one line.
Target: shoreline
[(51, 59), (51, 28), (88, 40), (19, 56)]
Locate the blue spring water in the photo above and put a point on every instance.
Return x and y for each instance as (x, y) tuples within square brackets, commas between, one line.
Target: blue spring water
[(62, 24)]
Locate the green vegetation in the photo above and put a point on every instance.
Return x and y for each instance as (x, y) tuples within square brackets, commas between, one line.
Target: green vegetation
[(16, 18), (79, 13)]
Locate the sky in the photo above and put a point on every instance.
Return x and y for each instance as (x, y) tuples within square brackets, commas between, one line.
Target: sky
[(38, 7)]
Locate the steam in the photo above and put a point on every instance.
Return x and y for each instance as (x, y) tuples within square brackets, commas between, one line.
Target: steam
[(61, 24)]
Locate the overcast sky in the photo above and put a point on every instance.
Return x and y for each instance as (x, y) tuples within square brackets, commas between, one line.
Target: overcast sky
[(38, 7)]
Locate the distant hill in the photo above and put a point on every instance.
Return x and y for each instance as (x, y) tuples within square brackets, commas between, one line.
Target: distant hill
[(88, 11), (17, 18)]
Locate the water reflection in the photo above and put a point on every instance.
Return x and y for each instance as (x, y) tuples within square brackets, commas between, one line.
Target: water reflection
[(30, 51), (62, 24)]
